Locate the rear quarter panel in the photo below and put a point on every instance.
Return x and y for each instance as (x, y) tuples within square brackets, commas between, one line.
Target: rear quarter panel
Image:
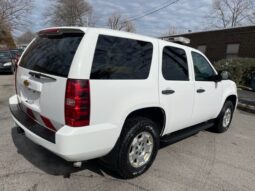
[(113, 100)]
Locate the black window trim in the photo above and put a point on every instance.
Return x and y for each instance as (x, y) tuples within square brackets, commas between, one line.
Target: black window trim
[(210, 64), (189, 77)]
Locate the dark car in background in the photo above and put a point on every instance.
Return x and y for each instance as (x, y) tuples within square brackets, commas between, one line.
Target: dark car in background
[(6, 62), (15, 54)]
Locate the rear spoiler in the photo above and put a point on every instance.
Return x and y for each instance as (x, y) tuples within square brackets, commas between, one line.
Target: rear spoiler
[(58, 32)]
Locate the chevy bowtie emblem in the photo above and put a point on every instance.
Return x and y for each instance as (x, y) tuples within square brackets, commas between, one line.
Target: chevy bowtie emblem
[(26, 83)]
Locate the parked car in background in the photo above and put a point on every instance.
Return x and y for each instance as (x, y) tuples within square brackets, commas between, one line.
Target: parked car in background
[(6, 62), (15, 54), (253, 82)]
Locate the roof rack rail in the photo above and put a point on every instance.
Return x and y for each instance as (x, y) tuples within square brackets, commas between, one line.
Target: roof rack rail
[(178, 40)]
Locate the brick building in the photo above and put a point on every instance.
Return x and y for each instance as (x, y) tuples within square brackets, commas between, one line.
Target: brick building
[(224, 43)]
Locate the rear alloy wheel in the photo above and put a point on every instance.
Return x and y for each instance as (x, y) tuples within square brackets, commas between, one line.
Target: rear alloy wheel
[(141, 149), (224, 119), (135, 149)]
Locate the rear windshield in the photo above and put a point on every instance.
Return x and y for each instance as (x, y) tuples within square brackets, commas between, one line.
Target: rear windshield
[(52, 54)]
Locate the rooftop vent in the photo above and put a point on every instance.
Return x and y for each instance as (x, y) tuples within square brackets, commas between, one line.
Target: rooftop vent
[(179, 40)]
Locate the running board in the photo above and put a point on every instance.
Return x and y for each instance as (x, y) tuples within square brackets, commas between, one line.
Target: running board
[(184, 133)]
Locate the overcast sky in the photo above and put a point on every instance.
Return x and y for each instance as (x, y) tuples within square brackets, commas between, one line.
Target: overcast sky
[(186, 14)]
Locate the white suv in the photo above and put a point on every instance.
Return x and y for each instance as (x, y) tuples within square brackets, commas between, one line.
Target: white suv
[(86, 93)]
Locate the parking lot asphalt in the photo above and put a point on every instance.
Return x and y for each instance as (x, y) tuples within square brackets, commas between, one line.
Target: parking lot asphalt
[(205, 161), (247, 97)]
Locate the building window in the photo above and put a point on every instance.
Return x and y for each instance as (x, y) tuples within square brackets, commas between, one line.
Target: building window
[(232, 50), (202, 48)]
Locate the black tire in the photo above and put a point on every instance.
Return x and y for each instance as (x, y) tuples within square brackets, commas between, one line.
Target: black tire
[(219, 126), (118, 159)]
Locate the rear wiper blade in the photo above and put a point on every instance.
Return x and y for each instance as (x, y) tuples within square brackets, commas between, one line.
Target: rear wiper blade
[(40, 75)]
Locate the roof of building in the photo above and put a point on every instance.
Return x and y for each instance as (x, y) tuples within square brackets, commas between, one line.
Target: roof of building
[(213, 30)]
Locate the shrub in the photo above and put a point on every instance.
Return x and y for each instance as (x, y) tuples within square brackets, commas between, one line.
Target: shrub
[(241, 69)]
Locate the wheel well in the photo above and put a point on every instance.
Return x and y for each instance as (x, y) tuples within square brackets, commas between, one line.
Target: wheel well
[(232, 98), (156, 114)]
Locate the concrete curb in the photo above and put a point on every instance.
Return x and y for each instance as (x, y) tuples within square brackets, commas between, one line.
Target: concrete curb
[(246, 107)]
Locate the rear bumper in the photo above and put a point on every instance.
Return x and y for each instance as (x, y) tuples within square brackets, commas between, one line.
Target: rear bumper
[(72, 144)]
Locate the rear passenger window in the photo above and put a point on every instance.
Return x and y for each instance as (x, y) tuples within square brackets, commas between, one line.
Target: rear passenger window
[(120, 58), (175, 65)]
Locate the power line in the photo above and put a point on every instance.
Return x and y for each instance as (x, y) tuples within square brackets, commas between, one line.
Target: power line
[(149, 12)]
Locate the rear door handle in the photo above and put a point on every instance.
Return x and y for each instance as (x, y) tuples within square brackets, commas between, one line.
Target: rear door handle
[(168, 92), (200, 91)]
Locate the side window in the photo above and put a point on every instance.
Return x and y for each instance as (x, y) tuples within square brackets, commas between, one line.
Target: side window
[(121, 58), (203, 70), (175, 65)]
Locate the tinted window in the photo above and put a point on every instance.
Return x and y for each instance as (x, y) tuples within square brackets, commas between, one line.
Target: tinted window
[(203, 70), (175, 66), (52, 54), (4, 54), (120, 58)]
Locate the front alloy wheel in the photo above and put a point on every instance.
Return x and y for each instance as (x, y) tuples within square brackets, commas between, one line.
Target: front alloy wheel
[(227, 118), (224, 119)]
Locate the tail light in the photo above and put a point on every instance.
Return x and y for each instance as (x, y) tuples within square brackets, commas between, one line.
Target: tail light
[(77, 103)]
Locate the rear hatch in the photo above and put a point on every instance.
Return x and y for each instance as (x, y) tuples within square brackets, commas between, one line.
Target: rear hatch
[(42, 75)]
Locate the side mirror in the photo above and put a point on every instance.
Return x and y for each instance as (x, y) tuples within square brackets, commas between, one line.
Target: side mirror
[(222, 75), (225, 75), (216, 78)]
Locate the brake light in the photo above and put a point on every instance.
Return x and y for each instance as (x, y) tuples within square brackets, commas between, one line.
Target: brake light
[(53, 31), (77, 103), (50, 31)]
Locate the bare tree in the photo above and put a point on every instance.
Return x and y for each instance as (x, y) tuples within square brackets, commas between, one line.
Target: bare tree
[(13, 13), (230, 13), (117, 22), (69, 13), (252, 17), (26, 37), (172, 30), (6, 39)]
